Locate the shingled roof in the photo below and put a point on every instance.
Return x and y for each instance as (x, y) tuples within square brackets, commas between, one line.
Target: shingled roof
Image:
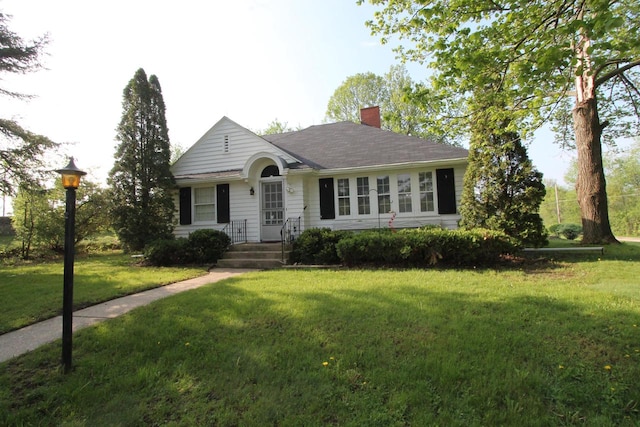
[(347, 145)]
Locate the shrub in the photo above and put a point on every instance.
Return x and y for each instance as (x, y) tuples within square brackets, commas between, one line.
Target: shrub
[(207, 246), (317, 246), (167, 252), (570, 231), (425, 247), (201, 247)]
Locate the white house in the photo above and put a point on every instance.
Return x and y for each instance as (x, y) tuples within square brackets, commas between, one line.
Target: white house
[(340, 175)]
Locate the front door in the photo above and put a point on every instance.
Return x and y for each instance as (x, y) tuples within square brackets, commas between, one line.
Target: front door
[(272, 215)]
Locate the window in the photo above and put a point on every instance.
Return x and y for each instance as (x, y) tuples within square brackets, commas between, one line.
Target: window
[(225, 146), (404, 192), (344, 201), (384, 195), (204, 204), (426, 191), (364, 207)]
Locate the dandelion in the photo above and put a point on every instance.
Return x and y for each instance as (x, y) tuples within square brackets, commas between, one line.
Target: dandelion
[(332, 358), (560, 366), (607, 367), (627, 356), (325, 363), (186, 344)]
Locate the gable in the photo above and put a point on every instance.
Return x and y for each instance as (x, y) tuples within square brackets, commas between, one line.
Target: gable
[(225, 147)]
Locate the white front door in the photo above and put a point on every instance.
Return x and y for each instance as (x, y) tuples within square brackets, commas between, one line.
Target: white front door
[(272, 212)]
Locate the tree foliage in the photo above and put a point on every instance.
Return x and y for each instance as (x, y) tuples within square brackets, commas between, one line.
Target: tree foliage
[(39, 215), (399, 112), (541, 53), (140, 180), (623, 183), (560, 205), (502, 190), (22, 153), (276, 126)]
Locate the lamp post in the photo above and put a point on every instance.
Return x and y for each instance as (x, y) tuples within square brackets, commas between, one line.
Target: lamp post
[(70, 181)]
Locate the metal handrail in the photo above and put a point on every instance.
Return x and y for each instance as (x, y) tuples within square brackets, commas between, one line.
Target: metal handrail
[(290, 231), (237, 231)]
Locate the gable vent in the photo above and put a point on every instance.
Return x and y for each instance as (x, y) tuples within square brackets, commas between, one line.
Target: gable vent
[(225, 146)]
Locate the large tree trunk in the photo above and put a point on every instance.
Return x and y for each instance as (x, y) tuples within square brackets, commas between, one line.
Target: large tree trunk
[(591, 185)]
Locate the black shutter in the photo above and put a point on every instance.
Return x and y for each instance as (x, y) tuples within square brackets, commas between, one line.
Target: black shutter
[(446, 191), (185, 206), (327, 202), (222, 196)]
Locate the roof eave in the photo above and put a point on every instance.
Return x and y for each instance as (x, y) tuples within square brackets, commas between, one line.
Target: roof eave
[(394, 166)]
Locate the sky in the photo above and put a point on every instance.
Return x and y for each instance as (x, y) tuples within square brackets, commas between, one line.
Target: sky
[(253, 61)]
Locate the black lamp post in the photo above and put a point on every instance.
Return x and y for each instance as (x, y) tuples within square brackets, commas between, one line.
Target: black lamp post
[(70, 181)]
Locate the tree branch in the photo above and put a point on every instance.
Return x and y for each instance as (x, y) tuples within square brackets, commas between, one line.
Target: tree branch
[(614, 73)]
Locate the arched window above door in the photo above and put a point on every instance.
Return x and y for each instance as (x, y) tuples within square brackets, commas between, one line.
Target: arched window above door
[(271, 170)]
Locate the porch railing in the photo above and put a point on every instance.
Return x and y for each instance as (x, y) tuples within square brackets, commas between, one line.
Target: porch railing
[(289, 232), (237, 231)]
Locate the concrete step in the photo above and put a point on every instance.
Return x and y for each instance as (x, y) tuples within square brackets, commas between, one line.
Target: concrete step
[(263, 264), (254, 255), (256, 247)]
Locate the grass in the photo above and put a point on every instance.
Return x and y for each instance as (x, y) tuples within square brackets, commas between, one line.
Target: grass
[(553, 344), (33, 292)]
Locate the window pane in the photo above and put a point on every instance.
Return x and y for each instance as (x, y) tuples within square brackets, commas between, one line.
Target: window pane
[(404, 192), (426, 202), (204, 195), (384, 204), (204, 213), (343, 187), (363, 196), (204, 204), (426, 191), (344, 207), (344, 201), (383, 185), (363, 206)]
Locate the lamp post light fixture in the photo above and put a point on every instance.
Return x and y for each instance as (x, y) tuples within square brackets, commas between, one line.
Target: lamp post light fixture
[(70, 181)]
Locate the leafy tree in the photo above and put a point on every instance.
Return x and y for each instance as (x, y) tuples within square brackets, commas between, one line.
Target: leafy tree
[(560, 205), (390, 92), (276, 126), (623, 183), (356, 92), (542, 52), (21, 152), (30, 200), (140, 180), (39, 215), (502, 190)]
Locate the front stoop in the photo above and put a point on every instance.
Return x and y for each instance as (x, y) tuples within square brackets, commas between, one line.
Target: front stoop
[(262, 256)]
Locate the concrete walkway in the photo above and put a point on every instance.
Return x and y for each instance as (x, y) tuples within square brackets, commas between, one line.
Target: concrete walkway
[(29, 338)]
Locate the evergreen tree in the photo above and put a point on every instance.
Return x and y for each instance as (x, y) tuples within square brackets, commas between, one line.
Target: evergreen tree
[(140, 180), (21, 152), (502, 190)]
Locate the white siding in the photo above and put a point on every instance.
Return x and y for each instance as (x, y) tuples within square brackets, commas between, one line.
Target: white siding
[(242, 206), (416, 218), (226, 146)]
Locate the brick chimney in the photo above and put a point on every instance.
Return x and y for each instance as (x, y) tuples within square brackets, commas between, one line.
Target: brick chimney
[(370, 116)]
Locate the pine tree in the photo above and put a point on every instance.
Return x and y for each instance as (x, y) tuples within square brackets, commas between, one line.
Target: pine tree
[(140, 180), (502, 190), (22, 153)]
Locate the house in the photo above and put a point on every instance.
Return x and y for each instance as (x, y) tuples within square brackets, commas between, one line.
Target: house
[(340, 175)]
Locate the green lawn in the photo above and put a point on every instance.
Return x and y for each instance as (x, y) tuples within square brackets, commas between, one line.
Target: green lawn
[(546, 344), (33, 292)]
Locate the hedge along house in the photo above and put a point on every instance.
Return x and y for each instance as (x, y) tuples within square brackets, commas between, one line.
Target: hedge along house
[(340, 175)]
